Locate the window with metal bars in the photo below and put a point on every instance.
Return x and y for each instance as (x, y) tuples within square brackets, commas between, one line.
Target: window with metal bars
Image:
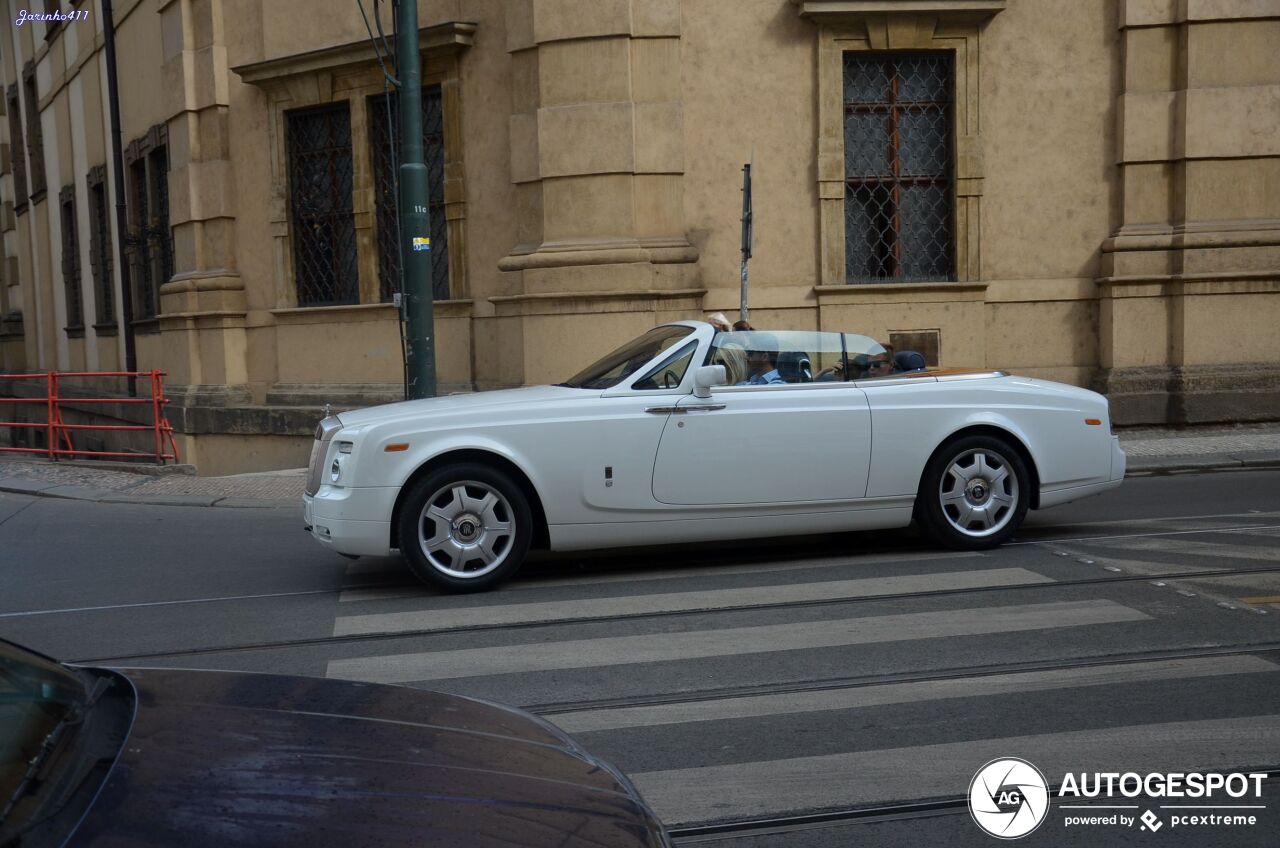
[(323, 226), (898, 167), (100, 250), (35, 132), (141, 268), (383, 133), (71, 262), (159, 234), (17, 149)]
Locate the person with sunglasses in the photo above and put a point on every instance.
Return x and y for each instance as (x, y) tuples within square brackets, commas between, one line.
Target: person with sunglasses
[(880, 365)]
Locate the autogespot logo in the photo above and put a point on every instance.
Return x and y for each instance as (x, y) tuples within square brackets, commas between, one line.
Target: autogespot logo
[(1008, 798)]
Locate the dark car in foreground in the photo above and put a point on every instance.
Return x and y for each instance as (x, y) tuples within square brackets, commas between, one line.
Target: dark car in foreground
[(106, 757)]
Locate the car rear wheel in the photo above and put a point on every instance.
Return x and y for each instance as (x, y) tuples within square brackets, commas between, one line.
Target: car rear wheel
[(464, 528), (974, 493)]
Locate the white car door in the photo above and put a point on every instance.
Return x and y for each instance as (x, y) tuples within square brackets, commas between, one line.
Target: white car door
[(765, 444)]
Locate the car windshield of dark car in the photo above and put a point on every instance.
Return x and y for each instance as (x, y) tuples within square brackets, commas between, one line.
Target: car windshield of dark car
[(626, 360), (36, 695)]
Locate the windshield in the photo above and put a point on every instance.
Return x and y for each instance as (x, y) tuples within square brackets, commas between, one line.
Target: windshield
[(626, 360), (60, 731), (36, 694)]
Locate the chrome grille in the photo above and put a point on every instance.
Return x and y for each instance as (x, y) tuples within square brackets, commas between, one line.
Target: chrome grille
[(319, 448)]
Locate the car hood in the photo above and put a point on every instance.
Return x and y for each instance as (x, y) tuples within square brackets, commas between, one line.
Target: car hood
[(244, 759), (458, 403)]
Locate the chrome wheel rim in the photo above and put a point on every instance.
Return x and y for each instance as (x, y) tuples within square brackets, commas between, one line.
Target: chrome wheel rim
[(978, 493), (466, 529)]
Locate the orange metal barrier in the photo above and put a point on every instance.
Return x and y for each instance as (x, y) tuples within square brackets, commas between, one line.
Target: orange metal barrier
[(58, 432)]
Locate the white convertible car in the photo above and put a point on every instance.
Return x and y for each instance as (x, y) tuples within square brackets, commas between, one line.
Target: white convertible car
[(689, 434)]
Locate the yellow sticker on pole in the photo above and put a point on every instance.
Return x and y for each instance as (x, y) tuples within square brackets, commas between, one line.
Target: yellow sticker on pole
[(420, 243)]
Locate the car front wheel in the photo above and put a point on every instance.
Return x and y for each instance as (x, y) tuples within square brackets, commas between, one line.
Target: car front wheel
[(464, 528), (974, 493)]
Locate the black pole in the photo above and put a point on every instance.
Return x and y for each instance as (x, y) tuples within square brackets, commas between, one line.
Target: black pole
[(746, 238), (117, 167), (415, 231)]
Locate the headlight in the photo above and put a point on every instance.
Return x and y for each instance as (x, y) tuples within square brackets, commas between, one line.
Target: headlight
[(345, 447), (335, 470)]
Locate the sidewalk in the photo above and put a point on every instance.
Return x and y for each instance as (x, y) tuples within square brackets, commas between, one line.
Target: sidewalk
[(1150, 451)]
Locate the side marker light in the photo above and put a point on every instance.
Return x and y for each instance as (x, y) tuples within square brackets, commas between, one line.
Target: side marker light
[(395, 448), (1093, 422)]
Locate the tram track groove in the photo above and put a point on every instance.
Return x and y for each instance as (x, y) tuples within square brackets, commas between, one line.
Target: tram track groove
[(701, 834)]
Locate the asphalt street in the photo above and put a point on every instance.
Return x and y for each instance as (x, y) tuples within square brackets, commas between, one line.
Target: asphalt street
[(853, 677)]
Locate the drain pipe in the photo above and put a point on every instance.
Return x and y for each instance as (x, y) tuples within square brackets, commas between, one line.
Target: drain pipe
[(122, 223)]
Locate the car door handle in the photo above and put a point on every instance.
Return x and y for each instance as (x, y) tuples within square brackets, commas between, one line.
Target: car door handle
[(681, 410)]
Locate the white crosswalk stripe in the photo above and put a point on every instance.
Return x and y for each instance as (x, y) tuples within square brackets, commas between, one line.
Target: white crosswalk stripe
[(382, 593), (1187, 547), (789, 703), (712, 599), (673, 647), (757, 789)]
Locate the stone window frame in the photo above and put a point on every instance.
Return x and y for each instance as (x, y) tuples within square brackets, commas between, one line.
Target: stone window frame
[(35, 134), (17, 148), (931, 25), (73, 289), (142, 240), (100, 257), (351, 73)]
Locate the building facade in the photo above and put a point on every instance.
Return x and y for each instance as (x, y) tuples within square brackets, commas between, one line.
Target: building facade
[(1086, 192)]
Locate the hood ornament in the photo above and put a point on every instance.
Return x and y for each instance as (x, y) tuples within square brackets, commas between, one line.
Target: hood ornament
[(328, 410)]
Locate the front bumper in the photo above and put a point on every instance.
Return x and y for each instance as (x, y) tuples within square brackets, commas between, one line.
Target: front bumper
[(355, 522), (1118, 460)]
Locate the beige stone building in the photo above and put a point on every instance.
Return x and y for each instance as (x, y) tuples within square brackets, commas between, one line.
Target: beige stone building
[(1087, 191)]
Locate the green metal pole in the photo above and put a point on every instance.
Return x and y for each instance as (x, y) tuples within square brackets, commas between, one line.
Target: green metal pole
[(415, 223)]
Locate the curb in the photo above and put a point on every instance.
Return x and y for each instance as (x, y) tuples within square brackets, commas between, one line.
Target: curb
[(1139, 466), (36, 488)]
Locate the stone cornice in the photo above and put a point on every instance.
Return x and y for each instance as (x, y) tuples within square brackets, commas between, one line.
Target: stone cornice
[(845, 12), (442, 39)]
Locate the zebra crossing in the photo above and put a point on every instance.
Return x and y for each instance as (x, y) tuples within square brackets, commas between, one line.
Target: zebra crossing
[(654, 657)]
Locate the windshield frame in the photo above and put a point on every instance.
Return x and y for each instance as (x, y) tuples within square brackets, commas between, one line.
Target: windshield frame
[(676, 333)]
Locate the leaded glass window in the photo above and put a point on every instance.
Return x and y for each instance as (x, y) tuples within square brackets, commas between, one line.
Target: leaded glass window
[(17, 149), (159, 233), (898, 167), (320, 184), (383, 135), (100, 248), (141, 268), (35, 132), (71, 261)]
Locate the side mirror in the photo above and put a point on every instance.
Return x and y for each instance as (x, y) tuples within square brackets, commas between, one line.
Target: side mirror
[(706, 377)]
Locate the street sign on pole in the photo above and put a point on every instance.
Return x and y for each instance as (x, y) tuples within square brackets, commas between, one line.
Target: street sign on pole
[(746, 238), (415, 226)]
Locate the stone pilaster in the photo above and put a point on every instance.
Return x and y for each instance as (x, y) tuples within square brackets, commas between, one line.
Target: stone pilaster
[(203, 305), (1190, 279), (597, 157)]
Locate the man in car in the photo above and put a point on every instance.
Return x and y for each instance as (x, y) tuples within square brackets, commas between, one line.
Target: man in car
[(880, 365), (762, 361)]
